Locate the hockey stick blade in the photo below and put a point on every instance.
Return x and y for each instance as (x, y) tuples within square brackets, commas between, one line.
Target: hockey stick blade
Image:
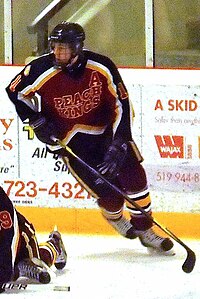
[(190, 260)]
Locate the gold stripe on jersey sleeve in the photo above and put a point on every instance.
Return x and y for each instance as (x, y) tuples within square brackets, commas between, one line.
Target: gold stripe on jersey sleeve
[(106, 73), (40, 81), (15, 240), (112, 88), (31, 245), (79, 128)]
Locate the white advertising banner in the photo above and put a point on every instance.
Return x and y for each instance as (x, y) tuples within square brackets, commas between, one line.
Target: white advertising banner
[(166, 128), (171, 129)]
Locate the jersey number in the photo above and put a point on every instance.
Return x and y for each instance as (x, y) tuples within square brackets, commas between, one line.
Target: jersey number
[(5, 220)]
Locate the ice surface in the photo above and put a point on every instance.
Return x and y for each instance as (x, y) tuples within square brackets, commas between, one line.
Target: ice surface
[(105, 267)]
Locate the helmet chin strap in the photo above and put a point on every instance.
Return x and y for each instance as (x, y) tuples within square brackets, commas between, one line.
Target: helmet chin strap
[(72, 60), (67, 65)]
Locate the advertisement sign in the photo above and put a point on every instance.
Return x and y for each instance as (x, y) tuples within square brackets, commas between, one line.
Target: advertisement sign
[(171, 128)]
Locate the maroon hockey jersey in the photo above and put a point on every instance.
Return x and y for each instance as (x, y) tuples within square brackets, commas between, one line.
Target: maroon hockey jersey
[(85, 104)]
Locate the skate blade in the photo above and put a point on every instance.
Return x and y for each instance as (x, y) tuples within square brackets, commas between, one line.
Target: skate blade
[(154, 251)]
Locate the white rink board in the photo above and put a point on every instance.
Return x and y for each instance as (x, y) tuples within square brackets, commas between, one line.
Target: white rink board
[(166, 129)]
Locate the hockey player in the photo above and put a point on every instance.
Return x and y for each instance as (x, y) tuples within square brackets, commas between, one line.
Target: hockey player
[(85, 104), (20, 254)]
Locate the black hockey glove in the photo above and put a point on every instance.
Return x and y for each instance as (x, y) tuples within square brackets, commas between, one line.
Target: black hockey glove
[(113, 159), (43, 129)]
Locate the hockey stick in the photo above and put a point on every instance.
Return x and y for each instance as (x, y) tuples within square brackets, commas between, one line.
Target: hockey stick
[(190, 260)]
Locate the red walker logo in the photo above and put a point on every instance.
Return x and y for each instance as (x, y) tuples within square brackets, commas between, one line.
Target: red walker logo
[(170, 146)]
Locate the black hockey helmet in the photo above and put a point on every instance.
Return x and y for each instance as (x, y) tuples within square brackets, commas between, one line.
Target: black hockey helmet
[(69, 33)]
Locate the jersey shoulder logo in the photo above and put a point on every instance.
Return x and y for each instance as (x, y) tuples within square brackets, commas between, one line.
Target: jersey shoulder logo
[(27, 70)]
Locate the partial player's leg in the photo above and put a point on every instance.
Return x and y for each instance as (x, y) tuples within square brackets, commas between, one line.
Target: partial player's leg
[(53, 250), (35, 264), (110, 203), (9, 238), (28, 268), (133, 180), (28, 252), (112, 210)]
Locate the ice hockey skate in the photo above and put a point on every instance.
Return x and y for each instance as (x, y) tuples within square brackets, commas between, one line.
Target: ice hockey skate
[(56, 239), (30, 270), (123, 227), (155, 243)]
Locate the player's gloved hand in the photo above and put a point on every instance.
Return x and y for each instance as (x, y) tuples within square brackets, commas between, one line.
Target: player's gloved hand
[(43, 129), (113, 159)]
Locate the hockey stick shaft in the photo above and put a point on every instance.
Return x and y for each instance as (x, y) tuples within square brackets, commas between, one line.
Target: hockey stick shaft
[(191, 258)]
